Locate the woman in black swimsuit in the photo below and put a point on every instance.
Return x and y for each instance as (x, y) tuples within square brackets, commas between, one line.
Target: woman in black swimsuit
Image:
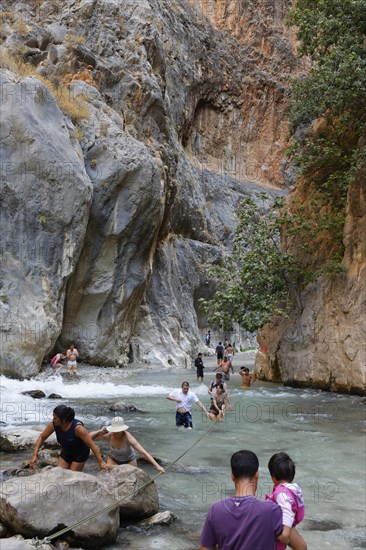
[(74, 439), (122, 445)]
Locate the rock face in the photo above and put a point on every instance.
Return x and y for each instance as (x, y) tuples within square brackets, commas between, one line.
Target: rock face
[(27, 506), (110, 213), (109, 219), (325, 346), (45, 201)]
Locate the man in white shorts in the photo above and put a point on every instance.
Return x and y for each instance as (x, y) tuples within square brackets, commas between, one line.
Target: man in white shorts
[(72, 355)]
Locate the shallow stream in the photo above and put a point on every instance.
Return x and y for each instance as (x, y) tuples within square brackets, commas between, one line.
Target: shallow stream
[(324, 434)]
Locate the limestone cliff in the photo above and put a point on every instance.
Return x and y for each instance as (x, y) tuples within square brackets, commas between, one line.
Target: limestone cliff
[(109, 217), (130, 132), (324, 345)]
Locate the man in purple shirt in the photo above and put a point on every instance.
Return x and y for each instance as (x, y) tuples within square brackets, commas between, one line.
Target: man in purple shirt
[(242, 522)]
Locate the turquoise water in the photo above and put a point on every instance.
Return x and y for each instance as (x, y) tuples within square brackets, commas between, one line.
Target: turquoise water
[(323, 433)]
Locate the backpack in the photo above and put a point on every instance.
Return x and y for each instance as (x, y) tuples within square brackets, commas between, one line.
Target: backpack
[(54, 359), (219, 349), (298, 509)]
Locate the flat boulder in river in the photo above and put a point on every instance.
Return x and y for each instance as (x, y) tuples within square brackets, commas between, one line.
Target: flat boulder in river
[(124, 407), (36, 394)]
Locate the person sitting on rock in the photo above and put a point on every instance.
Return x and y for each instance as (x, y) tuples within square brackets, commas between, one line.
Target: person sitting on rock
[(122, 445)]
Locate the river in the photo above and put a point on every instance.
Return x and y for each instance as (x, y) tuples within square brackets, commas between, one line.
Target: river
[(324, 433)]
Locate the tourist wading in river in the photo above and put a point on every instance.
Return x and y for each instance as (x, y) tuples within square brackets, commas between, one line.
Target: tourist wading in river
[(219, 383), (122, 445), (74, 439), (184, 399), (246, 377)]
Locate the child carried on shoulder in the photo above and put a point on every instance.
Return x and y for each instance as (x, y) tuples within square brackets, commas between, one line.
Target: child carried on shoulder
[(288, 496)]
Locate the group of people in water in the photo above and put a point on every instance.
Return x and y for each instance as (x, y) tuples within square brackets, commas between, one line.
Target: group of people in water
[(241, 521), (217, 390), (76, 442)]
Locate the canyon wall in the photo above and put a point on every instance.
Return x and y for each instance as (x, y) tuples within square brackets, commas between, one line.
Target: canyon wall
[(324, 345), (111, 217), (114, 204)]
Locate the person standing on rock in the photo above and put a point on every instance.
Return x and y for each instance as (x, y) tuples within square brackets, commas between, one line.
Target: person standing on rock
[(74, 439), (184, 399), (72, 355), (122, 445)]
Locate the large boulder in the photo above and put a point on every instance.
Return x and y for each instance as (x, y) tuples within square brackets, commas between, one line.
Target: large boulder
[(47, 502), (136, 494), (45, 196)]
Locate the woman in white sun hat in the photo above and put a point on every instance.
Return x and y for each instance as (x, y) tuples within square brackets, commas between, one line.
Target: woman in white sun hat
[(122, 445)]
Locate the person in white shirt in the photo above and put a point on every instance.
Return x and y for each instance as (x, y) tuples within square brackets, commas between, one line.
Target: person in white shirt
[(185, 399)]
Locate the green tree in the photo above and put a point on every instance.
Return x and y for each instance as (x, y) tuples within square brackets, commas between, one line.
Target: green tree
[(277, 251), (253, 281), (332, 33)]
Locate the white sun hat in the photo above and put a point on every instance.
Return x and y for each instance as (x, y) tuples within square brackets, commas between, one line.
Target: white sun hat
[(117, 425)]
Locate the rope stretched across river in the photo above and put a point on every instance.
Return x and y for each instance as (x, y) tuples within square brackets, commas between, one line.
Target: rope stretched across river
[(46, 540)]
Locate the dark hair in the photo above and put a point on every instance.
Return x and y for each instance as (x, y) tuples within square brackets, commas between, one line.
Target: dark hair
[(65, 414), (244, 464), (282, 467), (185, 382)]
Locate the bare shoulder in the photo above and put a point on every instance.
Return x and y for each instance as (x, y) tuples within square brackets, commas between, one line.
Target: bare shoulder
[(80, 428), (130, 438)]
